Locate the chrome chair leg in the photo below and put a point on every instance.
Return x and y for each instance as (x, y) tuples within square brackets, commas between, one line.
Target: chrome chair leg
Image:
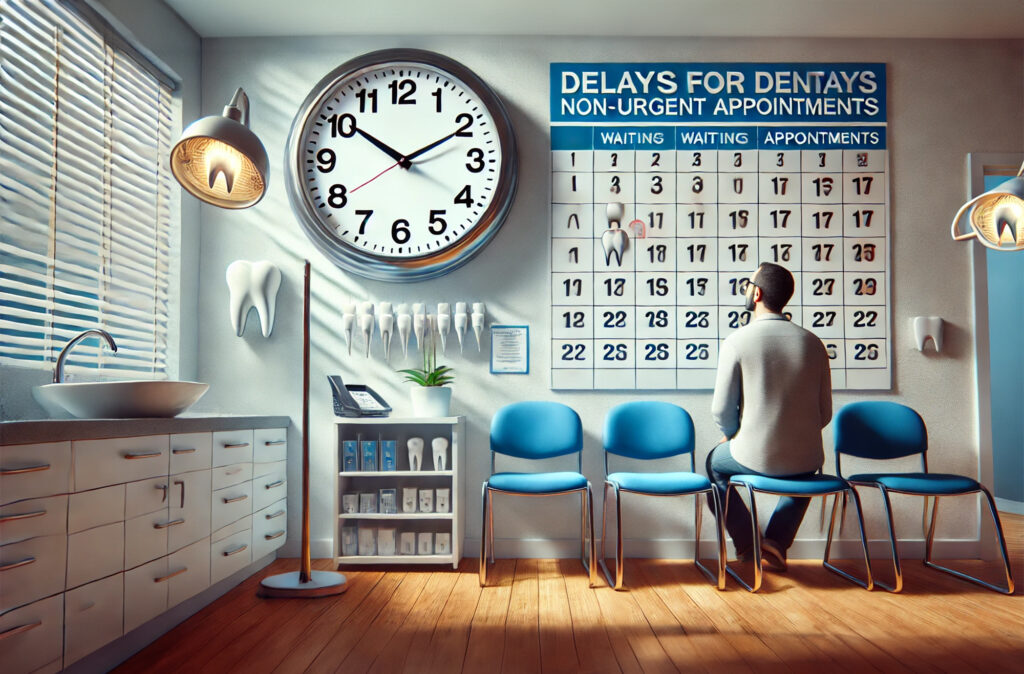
[(896, 565), (616, 582), (483, 536), (592, 565), (490, 522), (999, 537), (827, 562), (717, 579), (758, 572)]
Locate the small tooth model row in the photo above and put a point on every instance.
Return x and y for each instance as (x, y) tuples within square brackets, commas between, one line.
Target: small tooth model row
[(411, 319)]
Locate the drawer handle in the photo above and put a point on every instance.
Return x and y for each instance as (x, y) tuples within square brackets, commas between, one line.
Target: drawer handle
[(132, 456), (27, 469), (236, 499), (170, 575), (14, 565), (237, 445), (271, 537), (272, 443), (20, 629), (22, 516), (87, 607), (172, 523), (273, 515), (184, 450), (164, 488), (181, 483), (275, 484), (228, 553), (233, 471)]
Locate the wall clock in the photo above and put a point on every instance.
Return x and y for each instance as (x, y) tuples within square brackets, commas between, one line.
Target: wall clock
[(401, 165)]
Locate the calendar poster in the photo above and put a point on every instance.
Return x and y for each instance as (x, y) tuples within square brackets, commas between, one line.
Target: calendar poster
[(672, 182)]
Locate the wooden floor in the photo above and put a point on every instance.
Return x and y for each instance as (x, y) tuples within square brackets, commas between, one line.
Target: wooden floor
[(539, 615)]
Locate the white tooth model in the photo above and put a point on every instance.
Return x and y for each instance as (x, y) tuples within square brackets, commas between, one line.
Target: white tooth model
[(348, 320), (477, 318), (461, 322), (252, 284), (386, 323), (419, 327), (614, 240), (403, 321), (444, 323), (926, 327), (440, 447), (415, 446), (365, 320)]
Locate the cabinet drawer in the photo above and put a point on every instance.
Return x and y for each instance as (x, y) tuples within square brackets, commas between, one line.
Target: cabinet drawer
[(231, 504), (270, 444), (147, 496), (33, 518), (232, 447), (191, 451), (269, 529), (31, 570), (93, 616), (225, 476), (32, 636), (99, 463), (190, 503), (95, 553), (192, 568), (95, 508), (31, 471), (145, 593), (270, 487), (230, 554), (145, 538)]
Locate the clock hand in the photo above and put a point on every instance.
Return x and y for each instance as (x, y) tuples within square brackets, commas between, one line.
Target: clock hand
[(412, 155), (388, 150), (397, 163)]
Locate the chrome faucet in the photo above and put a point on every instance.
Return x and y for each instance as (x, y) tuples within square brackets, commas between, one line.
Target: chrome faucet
[(58, 371)]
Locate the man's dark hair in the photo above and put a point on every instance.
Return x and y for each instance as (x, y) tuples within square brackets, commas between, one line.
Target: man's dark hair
[(776, 284)]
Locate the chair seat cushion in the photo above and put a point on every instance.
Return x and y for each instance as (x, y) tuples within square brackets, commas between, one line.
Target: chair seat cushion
[(815, 485), (660, 483), (537, 483), (920, 483)]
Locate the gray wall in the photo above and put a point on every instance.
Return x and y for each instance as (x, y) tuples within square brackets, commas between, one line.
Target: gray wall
[(946, 98)]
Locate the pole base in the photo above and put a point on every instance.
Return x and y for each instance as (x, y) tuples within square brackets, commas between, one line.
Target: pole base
[(321, 584)]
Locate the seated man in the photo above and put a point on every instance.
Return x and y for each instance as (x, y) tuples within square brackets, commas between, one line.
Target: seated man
[(773, 395)]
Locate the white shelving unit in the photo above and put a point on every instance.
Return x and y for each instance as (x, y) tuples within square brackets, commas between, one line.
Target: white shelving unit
[(400, 429)]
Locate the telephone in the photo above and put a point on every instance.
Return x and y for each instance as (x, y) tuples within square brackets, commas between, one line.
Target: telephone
[(356, 400)]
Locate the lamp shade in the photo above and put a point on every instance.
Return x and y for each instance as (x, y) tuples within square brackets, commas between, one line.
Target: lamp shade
[(996, 217), (220, 161)]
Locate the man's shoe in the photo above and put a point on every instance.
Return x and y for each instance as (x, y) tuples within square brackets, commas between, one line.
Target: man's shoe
[(773, 557)]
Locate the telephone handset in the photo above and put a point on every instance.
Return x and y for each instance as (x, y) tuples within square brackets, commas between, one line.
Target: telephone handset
[(356, 400)]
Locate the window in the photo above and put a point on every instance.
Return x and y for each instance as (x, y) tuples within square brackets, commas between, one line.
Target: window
[(85, 196)]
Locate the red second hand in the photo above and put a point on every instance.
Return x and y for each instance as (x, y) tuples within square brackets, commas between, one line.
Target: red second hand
[(375, 177)]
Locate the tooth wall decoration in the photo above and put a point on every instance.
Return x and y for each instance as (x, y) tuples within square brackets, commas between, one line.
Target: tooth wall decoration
[(614, 240), (252, 285), (925, 328)]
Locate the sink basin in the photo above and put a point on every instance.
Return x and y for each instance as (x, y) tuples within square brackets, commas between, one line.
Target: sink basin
[(121, 399)]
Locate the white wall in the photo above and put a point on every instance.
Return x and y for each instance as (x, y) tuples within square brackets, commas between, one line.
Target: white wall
[(945, 98)]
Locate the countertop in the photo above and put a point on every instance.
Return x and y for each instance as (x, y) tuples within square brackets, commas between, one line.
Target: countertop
[(57, 430)]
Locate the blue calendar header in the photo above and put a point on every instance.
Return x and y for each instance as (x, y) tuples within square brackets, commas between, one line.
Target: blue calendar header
[(673, 93)]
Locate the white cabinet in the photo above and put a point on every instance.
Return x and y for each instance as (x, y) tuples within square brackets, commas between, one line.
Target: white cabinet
[(377, 537), (31, 636), (93, 616)]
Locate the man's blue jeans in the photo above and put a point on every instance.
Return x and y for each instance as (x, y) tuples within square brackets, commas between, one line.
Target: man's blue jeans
[(785, 521)]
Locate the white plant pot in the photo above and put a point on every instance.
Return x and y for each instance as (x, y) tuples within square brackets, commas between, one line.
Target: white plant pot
[(430, 401)]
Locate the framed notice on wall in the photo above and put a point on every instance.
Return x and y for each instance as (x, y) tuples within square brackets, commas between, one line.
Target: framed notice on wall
[(671, 182)]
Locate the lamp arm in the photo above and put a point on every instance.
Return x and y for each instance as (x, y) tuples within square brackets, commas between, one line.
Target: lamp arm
[(954, 230)]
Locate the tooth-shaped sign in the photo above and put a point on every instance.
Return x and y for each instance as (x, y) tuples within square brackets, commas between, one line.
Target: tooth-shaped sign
[(461, 324), (387, 327), (444, 324), (419, 328), (252, 284), (404, 322), (366, 327), (615, 241), (615, 212), (926, 327), (348, 320)]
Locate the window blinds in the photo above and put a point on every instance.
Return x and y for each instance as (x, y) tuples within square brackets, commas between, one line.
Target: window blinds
[(85, 196)]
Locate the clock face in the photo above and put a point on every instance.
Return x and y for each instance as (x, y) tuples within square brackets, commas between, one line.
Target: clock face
[(402, 165)]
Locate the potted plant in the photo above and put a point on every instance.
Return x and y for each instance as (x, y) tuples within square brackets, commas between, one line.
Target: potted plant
[(430, 395)]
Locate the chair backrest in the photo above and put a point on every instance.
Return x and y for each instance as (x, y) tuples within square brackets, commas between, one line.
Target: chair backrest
[(876, 429), (536, 430), (648, 429)]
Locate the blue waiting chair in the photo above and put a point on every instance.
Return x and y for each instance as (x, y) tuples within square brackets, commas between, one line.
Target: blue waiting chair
[(537, 430), (886, 430), (654, 430), (816, 485)]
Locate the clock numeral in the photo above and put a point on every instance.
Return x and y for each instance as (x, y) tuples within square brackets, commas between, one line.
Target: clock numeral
[(363, 95), (477, 163), (366, 218), (436, 219), (337, 197), (437, 95), (326, 160), (466, 120), (400, 231), (342, 125), (465, 197), (402, 92)]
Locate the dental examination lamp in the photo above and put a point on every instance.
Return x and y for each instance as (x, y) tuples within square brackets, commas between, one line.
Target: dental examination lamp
[(996, 217), (220, 161)]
